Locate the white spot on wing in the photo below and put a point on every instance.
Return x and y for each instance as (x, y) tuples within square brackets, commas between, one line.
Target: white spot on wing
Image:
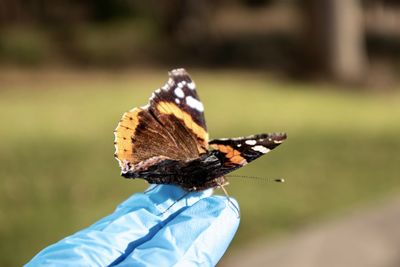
[(177, 101), (191, 86), (251, 142), (194, 103), (179, 93), (170, 83), (237, 138), (239, 145), (261, 149), (181, 84)]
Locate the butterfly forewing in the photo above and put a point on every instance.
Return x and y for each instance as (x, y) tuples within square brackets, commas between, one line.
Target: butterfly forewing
[(178, 97), (166, 128), (242, 150)]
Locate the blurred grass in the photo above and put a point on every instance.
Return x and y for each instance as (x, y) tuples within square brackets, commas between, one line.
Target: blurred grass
[(58, 174)]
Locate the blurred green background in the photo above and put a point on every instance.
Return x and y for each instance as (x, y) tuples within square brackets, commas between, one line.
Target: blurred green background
[(68, 70)]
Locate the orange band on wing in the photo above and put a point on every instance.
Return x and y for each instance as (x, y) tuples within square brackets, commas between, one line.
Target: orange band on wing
[(171, 108), (123, 134), (232, 154)]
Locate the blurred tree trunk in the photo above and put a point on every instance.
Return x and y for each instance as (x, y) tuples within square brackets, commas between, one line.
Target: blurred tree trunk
[(11, 11), (335, 39)]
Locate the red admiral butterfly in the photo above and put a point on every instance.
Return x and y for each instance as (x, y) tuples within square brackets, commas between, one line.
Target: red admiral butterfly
[(166, 141)]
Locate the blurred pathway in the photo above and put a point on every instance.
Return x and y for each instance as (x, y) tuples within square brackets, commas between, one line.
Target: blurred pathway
[(369, 239)]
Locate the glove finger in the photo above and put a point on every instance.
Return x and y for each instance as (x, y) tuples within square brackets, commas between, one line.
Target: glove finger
[(198, 236), (134, 222)]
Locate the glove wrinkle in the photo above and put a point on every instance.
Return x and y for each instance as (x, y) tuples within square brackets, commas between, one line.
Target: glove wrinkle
[(161, 201), (198, 236), (209, 246)]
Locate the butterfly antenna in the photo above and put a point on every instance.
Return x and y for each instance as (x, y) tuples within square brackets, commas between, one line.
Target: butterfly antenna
[(229, 199), (277, 180)]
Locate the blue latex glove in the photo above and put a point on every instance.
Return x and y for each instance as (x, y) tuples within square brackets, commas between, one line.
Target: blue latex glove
[(195, 231)]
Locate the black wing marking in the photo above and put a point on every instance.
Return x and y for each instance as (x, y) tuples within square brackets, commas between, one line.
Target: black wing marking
[(163, 129), (242, 150), (178, 98)]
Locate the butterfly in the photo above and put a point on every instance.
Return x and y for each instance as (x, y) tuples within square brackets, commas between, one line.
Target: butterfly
[(166, 141)]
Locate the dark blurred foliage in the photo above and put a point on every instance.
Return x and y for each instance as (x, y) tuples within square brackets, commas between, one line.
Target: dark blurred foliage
[(343, 40)]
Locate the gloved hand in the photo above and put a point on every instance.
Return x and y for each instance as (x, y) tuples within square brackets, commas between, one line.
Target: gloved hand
[(146, 230)]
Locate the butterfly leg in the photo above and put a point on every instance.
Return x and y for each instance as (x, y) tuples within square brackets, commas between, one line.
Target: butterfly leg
[(151, 189), (176, 201), (229, 198)]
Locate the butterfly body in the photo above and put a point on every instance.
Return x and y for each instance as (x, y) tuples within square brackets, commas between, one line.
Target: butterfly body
[(166, 142), (192, 175)]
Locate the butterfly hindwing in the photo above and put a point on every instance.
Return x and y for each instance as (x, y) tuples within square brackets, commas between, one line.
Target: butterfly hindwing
[(140, 137)]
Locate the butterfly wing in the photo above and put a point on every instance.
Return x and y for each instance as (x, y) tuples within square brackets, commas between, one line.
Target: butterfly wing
[(178, 99), (172, 126), (237, 152)]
